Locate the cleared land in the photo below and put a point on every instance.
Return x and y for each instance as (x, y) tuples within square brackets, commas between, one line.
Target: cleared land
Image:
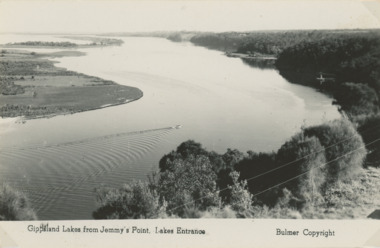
[(31, 86)]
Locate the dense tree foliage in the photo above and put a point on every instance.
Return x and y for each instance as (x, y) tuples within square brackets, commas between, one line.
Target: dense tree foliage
[(135, 200), (349, 58), (275, 42), (303, 161), (357, 100), (255, 169), (344, 148), (189, 182), (221, 41), (184, 150), (14, 205), (265, 42), (222, 164)]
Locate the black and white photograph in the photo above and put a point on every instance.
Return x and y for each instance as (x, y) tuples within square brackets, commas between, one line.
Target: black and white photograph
[(117, 115)]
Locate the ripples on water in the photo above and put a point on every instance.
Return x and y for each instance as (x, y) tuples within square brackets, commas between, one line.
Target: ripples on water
[(72, 170)]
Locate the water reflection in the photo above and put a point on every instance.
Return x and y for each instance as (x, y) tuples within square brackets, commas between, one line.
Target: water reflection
[(263, 64)]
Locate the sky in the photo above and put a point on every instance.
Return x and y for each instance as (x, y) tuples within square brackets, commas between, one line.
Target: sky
[(84, 16)]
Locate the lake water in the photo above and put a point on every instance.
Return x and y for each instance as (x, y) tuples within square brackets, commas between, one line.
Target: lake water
[(220, 102)]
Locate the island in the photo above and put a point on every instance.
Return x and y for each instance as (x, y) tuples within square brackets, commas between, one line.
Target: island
[(91, 42), (31, 86)]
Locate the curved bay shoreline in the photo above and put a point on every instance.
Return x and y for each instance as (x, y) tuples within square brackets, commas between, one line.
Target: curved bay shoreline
[(33, 87)]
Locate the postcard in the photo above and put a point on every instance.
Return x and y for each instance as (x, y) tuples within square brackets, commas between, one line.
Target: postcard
[(190, 123)]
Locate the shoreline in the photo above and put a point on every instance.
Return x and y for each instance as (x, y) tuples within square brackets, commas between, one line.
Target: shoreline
[(69, 113), (32, 87)]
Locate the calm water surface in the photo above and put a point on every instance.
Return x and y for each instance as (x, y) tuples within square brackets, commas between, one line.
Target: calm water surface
[(220, 102)]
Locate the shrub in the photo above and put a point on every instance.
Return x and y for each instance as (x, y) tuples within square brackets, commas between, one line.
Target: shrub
[(14, 205), (282, 210)]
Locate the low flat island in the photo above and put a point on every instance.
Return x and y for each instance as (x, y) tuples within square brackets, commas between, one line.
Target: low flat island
[(33, 87)]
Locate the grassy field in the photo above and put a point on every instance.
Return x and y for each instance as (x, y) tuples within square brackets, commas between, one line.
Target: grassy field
[(356, 199), (33, 87)]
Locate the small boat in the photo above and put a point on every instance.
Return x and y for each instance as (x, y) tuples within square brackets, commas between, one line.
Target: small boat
[(177, 127), (326, 79)]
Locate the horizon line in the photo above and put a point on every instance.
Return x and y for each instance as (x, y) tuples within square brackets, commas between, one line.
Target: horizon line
[(188, 31)]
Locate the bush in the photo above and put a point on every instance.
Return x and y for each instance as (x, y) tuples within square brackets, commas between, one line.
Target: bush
[(344, 148), (14, 205), (133, 201)]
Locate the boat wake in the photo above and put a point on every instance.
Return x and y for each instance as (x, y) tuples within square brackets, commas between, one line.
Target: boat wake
[(51, 175)]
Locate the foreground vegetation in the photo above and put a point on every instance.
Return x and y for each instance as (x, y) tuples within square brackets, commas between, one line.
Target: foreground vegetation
[(14, 205), (318, 173), (31, 86)]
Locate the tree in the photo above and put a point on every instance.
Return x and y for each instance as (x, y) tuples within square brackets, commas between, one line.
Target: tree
[(190, 148), (232, 157), (344, 148), (241, 199), (184, 150), (303, 163), (135, 200), (188, 182), (14, 205)]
